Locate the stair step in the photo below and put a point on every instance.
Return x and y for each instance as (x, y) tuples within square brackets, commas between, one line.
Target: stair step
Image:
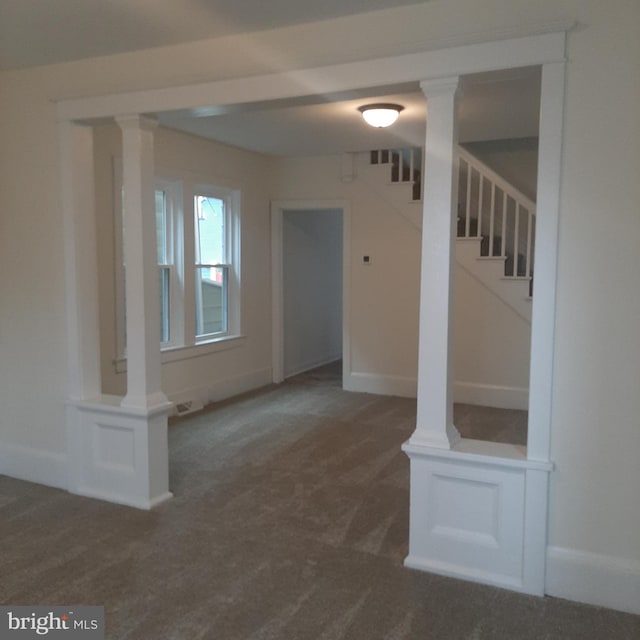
[(492, 259)]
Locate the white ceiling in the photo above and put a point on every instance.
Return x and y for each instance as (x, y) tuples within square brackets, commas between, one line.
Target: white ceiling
[(493, 106), (36, 32)]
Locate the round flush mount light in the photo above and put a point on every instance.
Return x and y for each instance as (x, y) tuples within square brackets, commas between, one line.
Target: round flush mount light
[(380, 115)]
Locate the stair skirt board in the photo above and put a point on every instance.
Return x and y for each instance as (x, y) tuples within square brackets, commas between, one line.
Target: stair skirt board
[(486, 395)]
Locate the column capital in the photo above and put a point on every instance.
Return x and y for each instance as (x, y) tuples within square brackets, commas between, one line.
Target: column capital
[(137, 121), (441, 86)]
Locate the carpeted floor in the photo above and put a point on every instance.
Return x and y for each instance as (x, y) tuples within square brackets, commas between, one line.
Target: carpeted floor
[(289, 522)]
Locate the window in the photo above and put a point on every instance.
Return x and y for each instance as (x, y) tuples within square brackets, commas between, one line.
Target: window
[(161, 216), (198, 265), (164, 218), (213, 263)]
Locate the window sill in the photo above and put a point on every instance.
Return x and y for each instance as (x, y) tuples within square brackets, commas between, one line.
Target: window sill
[(175, 354)]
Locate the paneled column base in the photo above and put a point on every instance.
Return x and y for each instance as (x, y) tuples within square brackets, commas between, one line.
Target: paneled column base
[(118, 454), (478, 512)]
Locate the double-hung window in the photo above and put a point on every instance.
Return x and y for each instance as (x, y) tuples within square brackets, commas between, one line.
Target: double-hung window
[(215, 262), (212, 266), (166, 197), (198, 255)]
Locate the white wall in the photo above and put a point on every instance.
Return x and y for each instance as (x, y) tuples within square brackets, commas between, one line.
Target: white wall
[(312, 288), (383, 324), (516, 160), (193, 160), (595, 513), (595, 431), (33, 359), (491, 347)]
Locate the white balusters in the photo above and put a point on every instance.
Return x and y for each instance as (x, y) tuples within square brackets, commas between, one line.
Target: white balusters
[(480, 206), (492, 217), (528, 273), (516, 236), (503, 239), (490, 206), (467, 221), (502, 224)]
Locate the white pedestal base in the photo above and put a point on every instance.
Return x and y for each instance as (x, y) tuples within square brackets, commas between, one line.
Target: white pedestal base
[(118, 454), (479, 512)]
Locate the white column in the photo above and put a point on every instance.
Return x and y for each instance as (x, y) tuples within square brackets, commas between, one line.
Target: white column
[(434, 426), (144, 389), (546, 258)]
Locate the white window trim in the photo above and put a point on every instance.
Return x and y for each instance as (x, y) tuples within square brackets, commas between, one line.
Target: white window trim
[(176, 354)]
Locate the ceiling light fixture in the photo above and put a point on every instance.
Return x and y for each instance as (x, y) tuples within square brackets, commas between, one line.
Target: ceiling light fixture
[(380, 115)]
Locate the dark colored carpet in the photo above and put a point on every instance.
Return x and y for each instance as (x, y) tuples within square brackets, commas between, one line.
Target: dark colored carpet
[(289, 522)]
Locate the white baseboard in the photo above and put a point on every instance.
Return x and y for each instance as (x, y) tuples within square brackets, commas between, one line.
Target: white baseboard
[(450, 570), (380, 384), (301, 368), (34, 465), (484, 395), (487, 395), (230, 387), (601, 580)]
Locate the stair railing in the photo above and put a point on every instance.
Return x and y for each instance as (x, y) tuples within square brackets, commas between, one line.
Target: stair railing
[(489, 207), (492, 209)]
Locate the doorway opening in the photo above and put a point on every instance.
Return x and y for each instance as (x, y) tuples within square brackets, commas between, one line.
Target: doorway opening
[(311, 289), (309, 286)]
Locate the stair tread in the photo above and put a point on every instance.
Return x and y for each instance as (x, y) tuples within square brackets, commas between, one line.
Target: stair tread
[(492, 258)]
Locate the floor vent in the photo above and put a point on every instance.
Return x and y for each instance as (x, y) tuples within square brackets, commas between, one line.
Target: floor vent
[(187, 406)]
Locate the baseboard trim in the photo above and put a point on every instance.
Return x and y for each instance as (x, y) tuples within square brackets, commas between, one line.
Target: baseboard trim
[(229, 387), (488, 395), (312, 365), (125, 501), (380, 384), (464, 573), (484, 395), (34, 465), (595, 579)]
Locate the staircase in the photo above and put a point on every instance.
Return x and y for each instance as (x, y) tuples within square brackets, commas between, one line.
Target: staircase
[(406, 167), (496, 223)]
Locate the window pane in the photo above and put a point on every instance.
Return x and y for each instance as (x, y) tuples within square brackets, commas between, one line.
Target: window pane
[(211, 300), (161, 226), (210, 231), (165, 325)]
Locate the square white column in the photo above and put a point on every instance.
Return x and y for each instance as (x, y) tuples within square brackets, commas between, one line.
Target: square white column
[(115, 452), (434, 427), (144, 389)]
